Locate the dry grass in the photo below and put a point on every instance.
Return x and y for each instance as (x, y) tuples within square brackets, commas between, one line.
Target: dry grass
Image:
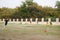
[(29, 32)]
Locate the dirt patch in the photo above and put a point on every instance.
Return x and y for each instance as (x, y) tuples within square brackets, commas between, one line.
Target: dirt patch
[(30, 37)]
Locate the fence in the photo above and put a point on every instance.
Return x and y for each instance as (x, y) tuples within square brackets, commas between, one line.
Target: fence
[(48, 21)]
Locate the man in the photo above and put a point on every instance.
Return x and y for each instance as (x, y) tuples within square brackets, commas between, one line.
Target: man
[(6, 22), (50, 23)]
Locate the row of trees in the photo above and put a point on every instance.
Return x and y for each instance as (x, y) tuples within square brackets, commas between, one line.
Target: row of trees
[(30, 9)]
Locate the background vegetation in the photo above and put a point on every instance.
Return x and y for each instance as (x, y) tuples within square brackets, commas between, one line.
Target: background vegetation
[(30, 9)]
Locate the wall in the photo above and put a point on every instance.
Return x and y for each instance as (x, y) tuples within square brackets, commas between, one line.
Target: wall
[(41, 21)]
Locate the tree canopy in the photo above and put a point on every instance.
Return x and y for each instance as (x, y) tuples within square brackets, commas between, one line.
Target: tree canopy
[(30, 9)]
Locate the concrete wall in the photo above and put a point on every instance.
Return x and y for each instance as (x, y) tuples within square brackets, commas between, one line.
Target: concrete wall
[(22, 21)]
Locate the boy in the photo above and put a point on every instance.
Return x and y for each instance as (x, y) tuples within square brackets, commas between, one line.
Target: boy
[(6, 22)]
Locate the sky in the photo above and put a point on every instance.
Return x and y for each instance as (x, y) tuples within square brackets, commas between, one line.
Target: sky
[(16, 3)]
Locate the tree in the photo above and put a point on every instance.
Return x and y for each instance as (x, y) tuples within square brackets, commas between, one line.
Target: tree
[(58, 8), (58, 4), (29, 9)]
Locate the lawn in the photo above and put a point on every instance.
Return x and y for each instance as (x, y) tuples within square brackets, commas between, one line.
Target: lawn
[(15, 31)]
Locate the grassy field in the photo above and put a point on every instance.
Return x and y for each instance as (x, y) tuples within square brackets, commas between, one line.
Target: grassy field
[(29, 32)]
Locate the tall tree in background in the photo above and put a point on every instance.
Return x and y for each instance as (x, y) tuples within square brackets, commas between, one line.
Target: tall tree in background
[(30, 9), (58, 4), (58, 8)]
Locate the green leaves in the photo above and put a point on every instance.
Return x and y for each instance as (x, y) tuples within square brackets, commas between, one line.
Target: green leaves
[(30, 9)]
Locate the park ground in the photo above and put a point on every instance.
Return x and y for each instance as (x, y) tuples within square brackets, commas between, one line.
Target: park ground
[(15, 31)]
